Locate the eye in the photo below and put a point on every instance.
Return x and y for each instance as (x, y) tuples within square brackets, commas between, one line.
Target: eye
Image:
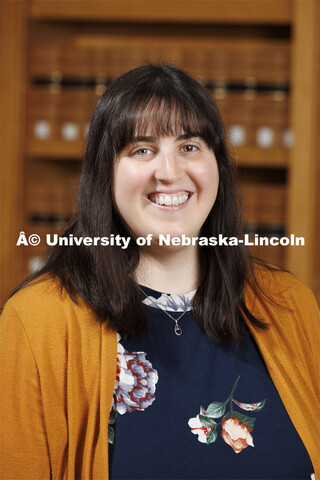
[(189, 148), (142, 152)]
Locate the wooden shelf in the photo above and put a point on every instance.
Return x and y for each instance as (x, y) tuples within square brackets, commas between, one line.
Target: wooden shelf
[(193, 11), (261, 158), (56, 149)]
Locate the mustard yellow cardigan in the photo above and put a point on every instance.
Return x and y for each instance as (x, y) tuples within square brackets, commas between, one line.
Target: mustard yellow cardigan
[(58, 367)]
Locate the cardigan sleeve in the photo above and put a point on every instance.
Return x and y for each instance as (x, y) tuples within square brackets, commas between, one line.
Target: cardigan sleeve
[(24, 448), (290, 348)]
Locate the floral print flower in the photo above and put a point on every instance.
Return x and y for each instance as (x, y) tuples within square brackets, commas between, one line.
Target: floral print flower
[(236, 434), (135, 383), (236, 427), (198, 428)]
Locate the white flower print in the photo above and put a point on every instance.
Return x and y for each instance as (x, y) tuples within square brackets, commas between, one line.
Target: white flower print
[(199, 429), (171, 303)]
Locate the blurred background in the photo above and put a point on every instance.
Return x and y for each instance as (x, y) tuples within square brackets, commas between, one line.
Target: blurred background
[(259, 60)]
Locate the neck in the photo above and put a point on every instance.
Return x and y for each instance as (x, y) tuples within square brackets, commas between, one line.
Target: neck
[(170, 270)]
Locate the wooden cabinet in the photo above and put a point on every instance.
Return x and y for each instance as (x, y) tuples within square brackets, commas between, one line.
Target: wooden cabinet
[(258, 58)]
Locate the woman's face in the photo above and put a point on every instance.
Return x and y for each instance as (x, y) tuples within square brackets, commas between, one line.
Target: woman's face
[(165, 185)]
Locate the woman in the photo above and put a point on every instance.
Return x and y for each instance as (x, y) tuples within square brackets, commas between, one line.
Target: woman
[(152, 358)]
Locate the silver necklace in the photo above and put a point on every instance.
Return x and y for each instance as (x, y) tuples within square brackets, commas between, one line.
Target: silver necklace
[(177, 328)]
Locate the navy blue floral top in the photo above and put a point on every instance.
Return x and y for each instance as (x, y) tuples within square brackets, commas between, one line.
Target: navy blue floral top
[(184, 408)]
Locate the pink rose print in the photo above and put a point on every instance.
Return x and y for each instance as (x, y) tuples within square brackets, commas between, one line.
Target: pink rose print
[(235, 434)]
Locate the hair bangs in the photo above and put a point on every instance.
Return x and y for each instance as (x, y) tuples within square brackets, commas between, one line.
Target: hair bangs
[(160, 117)]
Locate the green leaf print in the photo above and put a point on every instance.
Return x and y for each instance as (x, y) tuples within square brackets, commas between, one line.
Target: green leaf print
[(249, 421), (212, 437), (110, 434), (216, 409), (112, 417), (207, 421)]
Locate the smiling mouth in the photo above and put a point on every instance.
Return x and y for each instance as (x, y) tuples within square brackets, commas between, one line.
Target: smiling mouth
[(173, 199)]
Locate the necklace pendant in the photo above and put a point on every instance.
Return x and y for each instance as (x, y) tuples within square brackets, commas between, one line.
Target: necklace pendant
[(178, 330)]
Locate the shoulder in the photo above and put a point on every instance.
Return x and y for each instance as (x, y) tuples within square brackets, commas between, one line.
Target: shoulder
[(45, 297), (39, 294), (45, 313), (284, 288), (286, 305)]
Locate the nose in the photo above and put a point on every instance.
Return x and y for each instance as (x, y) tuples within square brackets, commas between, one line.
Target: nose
[(168, 168)]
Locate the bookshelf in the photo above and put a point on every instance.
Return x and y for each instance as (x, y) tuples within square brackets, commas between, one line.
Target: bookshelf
[(250, 54)]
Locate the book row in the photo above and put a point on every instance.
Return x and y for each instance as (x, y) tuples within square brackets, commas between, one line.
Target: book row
[(211, 60), (251, 118)]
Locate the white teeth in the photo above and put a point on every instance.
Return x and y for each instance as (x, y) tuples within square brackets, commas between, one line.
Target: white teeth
[(168, 200)]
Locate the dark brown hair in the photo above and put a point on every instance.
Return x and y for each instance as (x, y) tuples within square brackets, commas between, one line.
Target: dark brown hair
[(170, 102)]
